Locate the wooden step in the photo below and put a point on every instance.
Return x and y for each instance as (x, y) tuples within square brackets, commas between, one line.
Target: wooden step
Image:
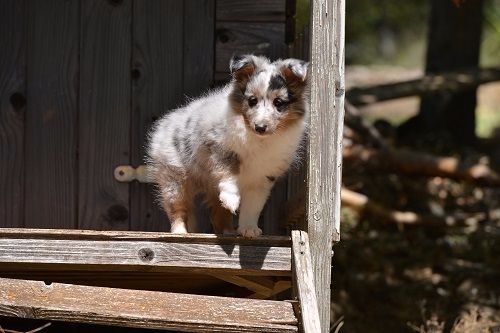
[(144, 309), (61, 250)]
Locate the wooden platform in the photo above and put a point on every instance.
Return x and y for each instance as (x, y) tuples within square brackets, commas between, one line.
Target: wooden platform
[(262, 266)]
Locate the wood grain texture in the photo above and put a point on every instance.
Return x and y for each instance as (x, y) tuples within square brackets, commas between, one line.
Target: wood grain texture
[(12, 111), (325, 142), (272, 212), (247, 37), (251, 11), (148, 309), (69, 234), (304, 282), (157, 58), (199, 36), (144, 255), (104, 120), (51, 115)]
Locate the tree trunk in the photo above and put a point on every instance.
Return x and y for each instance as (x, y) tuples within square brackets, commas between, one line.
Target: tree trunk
[(453, 44)]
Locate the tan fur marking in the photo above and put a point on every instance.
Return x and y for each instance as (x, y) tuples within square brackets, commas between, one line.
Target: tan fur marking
[(222, 219)]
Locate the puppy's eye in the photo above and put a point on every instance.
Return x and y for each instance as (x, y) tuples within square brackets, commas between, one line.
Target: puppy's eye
[(252, 101), (278, 102)]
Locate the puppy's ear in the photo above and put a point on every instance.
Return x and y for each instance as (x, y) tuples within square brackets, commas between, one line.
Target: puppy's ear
[(294, 71), (242, 67)]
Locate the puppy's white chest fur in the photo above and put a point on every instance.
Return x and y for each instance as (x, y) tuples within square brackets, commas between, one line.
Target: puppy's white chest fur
[(263, 159)]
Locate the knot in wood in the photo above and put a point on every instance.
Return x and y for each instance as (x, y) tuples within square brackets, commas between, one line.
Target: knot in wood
[(116, 213), (115, 2), (222, 35), (146, 254), (18, 101), (136, 74)]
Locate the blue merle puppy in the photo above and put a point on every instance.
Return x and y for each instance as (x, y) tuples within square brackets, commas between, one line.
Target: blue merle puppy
[(231, 144)]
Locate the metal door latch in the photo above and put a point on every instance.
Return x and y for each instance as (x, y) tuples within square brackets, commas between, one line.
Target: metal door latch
[(127, 173)]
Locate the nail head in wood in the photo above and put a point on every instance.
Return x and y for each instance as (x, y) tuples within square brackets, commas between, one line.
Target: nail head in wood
[(146, 254)]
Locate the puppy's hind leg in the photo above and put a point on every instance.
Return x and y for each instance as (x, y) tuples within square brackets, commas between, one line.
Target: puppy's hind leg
[(176, 206), (222, 219)]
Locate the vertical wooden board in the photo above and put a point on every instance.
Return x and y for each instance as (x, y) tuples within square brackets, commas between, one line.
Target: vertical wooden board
[(157, 87), (271, 215), (325, 142), (12, 109), (304, 282), (104, 119), (251, 11), (51, 115), (199, 35), (247, 37)]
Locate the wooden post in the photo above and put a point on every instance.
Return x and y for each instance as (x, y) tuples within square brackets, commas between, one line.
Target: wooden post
[(325, 142)]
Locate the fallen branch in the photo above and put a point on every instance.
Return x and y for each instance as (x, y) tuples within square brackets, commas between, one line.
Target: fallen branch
[(295, 211), (450, 82), (411, 162), (364, 205)]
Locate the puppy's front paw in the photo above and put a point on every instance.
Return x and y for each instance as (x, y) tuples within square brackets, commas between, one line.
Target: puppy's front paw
[(230, 201), (249, 232), (178, 228)]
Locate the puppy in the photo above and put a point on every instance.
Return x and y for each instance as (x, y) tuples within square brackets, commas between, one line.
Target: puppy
[(231, 144)]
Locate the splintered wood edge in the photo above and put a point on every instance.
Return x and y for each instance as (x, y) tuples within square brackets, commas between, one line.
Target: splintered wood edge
[(141, 235), (143, 309), (304, 281)]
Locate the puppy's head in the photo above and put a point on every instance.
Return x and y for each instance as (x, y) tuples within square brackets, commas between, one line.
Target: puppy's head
[(271, 96)]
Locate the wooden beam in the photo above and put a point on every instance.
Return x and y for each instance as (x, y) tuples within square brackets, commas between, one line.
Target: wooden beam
[(451, 82), (325, 142), (260, 285), (90, 250), (279, 287), (304, 282), (143, 309), (27, 233)]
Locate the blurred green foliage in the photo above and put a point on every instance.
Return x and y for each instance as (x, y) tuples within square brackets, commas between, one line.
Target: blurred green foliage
[(394, 32)]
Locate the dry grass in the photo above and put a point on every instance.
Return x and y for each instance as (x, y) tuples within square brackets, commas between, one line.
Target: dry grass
[(475, 320)]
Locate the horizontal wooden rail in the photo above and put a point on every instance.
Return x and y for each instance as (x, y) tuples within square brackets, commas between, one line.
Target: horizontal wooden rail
[(433, 83), (22, 249), (143, 309)]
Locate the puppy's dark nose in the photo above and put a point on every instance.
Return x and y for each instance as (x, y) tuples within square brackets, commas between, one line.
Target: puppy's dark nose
[(260, 128)]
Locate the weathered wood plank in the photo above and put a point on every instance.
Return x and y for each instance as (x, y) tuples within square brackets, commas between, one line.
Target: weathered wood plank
[(69, 234), (199, 18), (325, 142), (251, 11), (142, 255), (247, 37), (12, 111), (156, 73), (104, 119), (147, 309), (51, 118), (273, 210), (304, 281)]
